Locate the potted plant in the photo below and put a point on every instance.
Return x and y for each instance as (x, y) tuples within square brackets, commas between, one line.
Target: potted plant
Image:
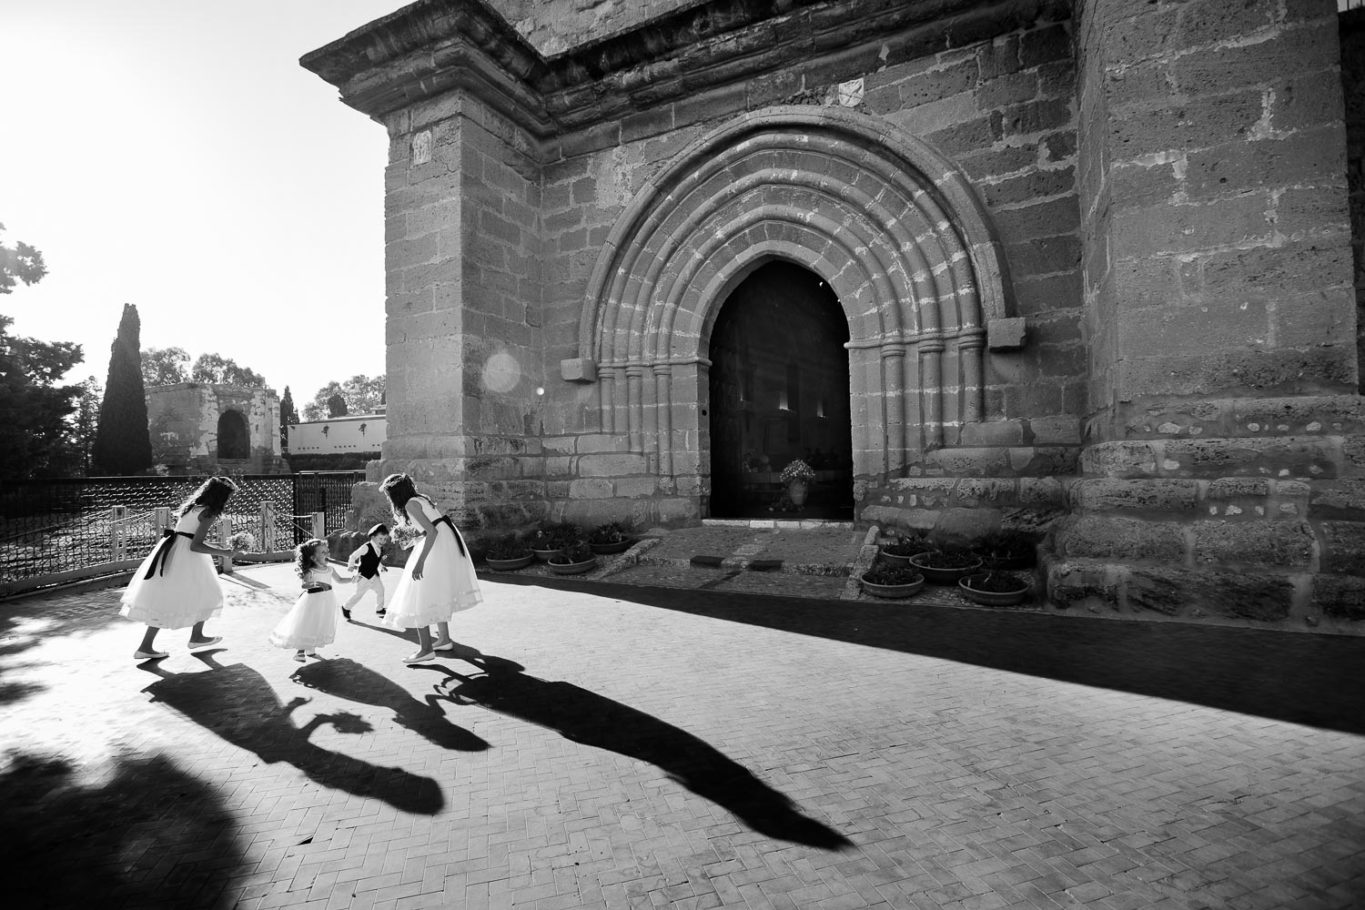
[(612, 537), (574, 559), (903, 547), (797, 475), (994, 588), (891, 580), (508, 553), (550, 538), (944, 566), (1008, 549)]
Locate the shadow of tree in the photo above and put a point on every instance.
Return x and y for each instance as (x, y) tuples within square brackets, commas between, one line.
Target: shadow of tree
[(344, 678), (1297, 677), (238, 704), (595, 720), (151, 835)]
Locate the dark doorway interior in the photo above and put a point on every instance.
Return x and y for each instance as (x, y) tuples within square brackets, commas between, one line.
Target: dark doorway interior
[(233, 440), (779, 391)]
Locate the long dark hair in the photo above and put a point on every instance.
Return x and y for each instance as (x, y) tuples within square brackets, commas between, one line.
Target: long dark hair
[(212, 494), (400, 488), (303, 556)]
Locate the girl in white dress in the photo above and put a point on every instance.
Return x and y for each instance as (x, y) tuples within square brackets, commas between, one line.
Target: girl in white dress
[(177, 585), (312, 621), (437, 581)]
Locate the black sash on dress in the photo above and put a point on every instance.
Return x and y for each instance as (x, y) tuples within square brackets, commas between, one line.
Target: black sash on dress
[(163, 549), (459, 541)]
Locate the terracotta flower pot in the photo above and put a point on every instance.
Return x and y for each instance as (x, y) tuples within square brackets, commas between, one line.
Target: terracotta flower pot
[(1007, 598), (892, 592), (606, 549), (942, 575), (797, 491), (510, 565), (573, 568)]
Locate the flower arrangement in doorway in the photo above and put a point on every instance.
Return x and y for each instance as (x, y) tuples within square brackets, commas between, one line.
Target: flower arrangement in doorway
[(795, 470)]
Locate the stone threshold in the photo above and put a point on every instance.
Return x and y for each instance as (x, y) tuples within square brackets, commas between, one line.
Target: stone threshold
[(779, 524)]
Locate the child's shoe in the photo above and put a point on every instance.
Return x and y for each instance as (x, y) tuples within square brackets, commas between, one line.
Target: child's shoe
[(380, 612), (311, 653), (346, 614), (298, 655)]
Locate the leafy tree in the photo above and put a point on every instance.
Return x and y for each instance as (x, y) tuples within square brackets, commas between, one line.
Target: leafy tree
[(123, 444), (336, 406), (361, 395), (20, 261), (79, 437), (33, 407), (216, 368), (165, 366)]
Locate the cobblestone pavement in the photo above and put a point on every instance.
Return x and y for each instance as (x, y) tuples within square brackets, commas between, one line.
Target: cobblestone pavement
[(605, 745)]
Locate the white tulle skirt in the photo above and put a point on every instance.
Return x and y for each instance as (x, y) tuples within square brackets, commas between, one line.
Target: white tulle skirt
[(186, 592), (448, 585), (310, 623)]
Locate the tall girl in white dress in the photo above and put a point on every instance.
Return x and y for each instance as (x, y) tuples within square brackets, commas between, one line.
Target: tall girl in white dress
[(312, 621), (177, 585), (437, 581)]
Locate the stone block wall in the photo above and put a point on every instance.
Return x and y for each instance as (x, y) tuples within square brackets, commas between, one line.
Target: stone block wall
[(1213, 167), (183, 419), (1352, 26)]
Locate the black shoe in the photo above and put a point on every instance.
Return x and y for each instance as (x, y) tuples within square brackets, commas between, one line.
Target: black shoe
[(379, 612), (346, 613)]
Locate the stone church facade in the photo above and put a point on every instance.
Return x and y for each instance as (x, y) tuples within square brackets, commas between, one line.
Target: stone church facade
[(1079, 266)]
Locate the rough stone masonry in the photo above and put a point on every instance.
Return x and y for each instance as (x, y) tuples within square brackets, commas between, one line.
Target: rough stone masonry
[(1095, 258)]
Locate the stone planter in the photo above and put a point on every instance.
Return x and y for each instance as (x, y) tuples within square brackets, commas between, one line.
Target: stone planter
[(942, 575), (606, 549), (797, 491), (1007, 598), (547, 555), (573, 568), (892, 558), (892, 592), (510, 565)]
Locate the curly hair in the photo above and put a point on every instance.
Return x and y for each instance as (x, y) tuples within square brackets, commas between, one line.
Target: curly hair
[(212, 494), (399, 488), (304, 554)]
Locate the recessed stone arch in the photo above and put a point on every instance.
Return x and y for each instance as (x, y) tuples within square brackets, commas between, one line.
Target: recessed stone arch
[(894, 228), (234, 436)]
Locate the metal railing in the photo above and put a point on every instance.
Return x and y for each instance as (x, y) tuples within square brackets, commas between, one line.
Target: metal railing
[(57, 530)]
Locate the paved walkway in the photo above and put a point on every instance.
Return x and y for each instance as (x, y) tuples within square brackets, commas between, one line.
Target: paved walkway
[(597, 745)]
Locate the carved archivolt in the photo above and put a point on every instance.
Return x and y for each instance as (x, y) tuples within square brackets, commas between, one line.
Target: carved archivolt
[(891, 225)]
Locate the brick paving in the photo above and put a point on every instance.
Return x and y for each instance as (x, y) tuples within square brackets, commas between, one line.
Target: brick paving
[(596, 744)]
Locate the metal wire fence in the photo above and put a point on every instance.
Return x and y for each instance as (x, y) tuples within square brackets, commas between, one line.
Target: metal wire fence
[(53, 529)]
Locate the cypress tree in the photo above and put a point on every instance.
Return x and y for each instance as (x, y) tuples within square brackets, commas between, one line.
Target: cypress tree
[(287, 416), (123, 444)]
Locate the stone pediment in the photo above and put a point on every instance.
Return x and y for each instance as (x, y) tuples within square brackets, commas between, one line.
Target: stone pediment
[(428, 49)]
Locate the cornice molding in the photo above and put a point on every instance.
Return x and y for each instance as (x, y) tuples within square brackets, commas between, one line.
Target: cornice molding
[(434, 46)]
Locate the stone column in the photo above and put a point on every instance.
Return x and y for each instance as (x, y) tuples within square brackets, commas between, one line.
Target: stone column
[(1212, 155)]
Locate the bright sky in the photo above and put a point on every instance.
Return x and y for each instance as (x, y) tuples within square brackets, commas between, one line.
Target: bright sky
[(174, 155)]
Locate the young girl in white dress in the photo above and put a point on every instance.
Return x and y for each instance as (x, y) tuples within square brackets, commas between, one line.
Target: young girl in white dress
[(312, 621), (437, 581), (177, 584)]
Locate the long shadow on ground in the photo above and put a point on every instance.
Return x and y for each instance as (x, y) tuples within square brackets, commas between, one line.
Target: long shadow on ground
[(595, 720), (344, 678), (1304, 678), (151, 835), (238, 704)]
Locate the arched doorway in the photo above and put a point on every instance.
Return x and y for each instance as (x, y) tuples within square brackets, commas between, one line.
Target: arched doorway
[(234, 441), (779, 390)]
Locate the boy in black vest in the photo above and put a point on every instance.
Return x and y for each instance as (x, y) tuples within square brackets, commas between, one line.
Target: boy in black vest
[(364, 562)]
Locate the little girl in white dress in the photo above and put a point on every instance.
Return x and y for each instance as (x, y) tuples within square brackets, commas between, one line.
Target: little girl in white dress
[(312, 621)]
